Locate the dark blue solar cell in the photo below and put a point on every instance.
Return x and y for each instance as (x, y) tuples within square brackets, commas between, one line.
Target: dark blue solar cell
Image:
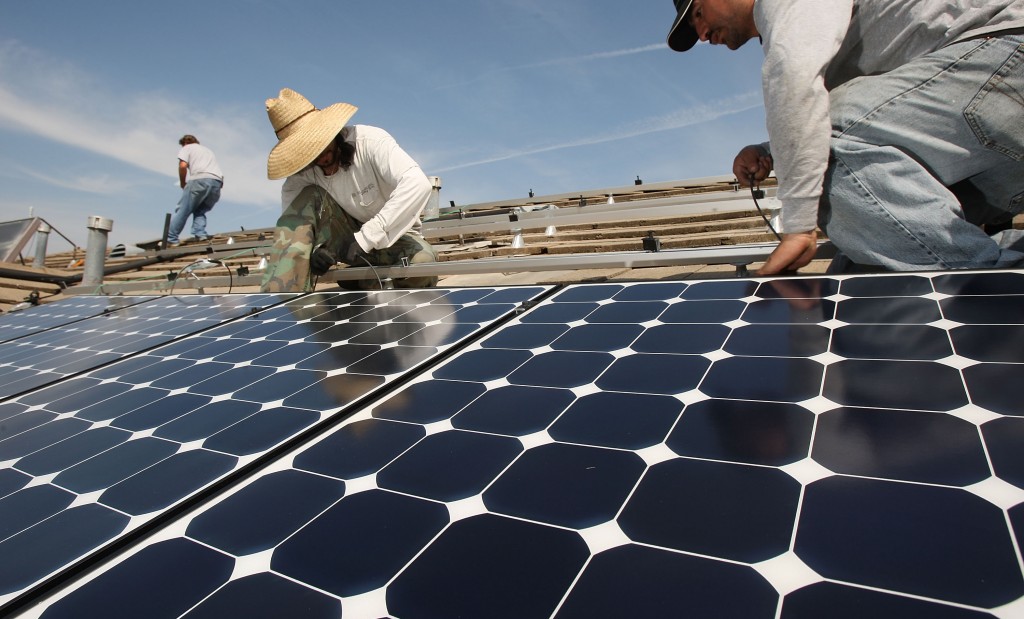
[(634, 312), (634, 581), (248, 351), (989, 385), (895, 384), (731, 511), (895, 286), (1004, 438), (651, 373), (12, 481), (112, 466), (23, 422), (525, 336), (71, 451), (160, 412), (167, 482), (25, 380), (206, 421), (335, 357), (426, 313), (124, 403), (595, 292), (764, 378), (40, 437), (566, 485), (715, 312), (483, 365), (940, 543), (990, 310), (836, 601), (692, 339), (53, 543), (284, 501), (279, 386), (186, 377), (559, 313), (266, 596), (464, 296), (29, 506), (660, 291), (621, 420), (898, 310), (902, 445), (429, 401), (389, 333), (86, 397), (490, 566), (203, 348), (514, 410), (261, 431), (598, 338), (778, 340), (440, 334), (789, 288), (767, 433), (436, 296), (232, 380), (909, 342), (393, 360), (383, 313), (79, 362), (332, 333), (561, 369), (996, 343), (163, 580), (334, 392), (720, 290), (512, 295), (359, 449), (450, 465), (479, 313), (11, 409), (293, 353), (980, 283), (789, 311), (360, 543)]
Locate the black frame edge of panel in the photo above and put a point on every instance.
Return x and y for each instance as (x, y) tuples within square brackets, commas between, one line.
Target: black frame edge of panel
[(114, 548)]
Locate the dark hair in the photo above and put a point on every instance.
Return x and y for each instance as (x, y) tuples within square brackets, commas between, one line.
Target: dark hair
[(346, 151), (187, 139)]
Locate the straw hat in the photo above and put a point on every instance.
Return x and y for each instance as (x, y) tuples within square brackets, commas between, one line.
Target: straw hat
[(303, 132)]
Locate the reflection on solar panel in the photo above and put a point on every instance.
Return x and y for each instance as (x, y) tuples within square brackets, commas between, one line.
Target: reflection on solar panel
[(47, 356), (94, 457), (824, 447), (43, 317)]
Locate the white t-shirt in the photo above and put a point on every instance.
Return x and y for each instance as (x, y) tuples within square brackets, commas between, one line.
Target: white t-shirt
[(201, 162), (384, 188)]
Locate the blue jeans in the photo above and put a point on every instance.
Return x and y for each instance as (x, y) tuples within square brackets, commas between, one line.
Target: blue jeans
[(923, 154), (197, 199)]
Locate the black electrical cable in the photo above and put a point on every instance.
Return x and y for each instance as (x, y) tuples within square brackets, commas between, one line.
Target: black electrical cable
[(756, 192)]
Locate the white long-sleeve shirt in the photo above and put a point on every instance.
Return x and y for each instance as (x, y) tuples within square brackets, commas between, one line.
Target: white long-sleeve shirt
[(384, 188), (812, 46)]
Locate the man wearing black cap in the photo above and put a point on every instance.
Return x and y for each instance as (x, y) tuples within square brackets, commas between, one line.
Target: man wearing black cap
[(897, 126)]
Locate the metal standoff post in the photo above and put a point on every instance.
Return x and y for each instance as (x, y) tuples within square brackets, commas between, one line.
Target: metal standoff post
[(42, 236), (96, 249)]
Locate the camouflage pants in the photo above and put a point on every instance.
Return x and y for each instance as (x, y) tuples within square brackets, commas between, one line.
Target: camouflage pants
[(315, 218)]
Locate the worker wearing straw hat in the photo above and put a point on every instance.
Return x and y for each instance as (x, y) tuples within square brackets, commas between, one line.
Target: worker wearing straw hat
[(351, 195)]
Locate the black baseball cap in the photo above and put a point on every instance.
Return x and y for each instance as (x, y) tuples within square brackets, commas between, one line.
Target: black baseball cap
[(682, 36)]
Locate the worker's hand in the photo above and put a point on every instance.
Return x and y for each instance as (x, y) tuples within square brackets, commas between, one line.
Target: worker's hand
[(795, 251), (752, 165), (354, 252), (320, 261)]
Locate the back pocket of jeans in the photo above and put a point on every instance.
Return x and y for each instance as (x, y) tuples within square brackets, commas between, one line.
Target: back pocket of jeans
[(996, 114)]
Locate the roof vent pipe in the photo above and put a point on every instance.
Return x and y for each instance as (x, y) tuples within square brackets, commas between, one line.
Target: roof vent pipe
[(96, 249), (42, 236)]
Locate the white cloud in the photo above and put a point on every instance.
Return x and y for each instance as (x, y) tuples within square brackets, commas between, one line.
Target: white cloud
[(684, 117)]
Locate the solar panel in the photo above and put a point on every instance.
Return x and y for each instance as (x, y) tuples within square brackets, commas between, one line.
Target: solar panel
[(94, 458), (820, 447), (44, 357), (43, 317)]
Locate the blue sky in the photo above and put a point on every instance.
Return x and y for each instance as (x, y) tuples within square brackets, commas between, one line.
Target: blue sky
[(495, 97)]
